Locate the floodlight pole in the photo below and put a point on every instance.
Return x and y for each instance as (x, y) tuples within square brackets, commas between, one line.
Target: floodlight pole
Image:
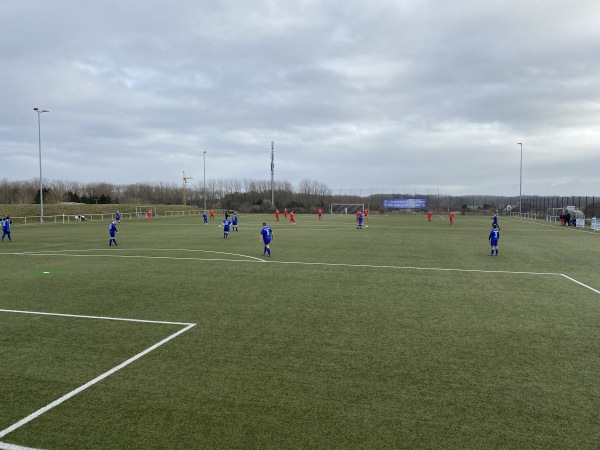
[(39, 113), (520, 179), (204, 157), (272, 173)]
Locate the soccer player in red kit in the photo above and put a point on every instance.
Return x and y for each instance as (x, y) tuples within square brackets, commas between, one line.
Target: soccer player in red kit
[(429, 215), (292, 220), (366, 214), (451, 217), (212, 214), (320, 214), (277, 215), (285, 213)]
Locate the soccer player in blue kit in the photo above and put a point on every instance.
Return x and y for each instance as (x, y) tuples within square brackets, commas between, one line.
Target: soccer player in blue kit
[(494, 237), (226, 225), (266, 236), (205, 217), (6, 228), (234, 221), (360, 220), (495, 221), (112, 230)]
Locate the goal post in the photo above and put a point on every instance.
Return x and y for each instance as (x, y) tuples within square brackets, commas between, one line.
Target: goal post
[(141, 212), (346, 208), (553, 214)]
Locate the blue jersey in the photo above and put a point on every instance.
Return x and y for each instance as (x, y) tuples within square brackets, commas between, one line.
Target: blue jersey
[(360, 218), (267, 234), (112, 229), (226, 224), (118, 216), (494, 236), (234, 218), (205, 217), (6, 225)]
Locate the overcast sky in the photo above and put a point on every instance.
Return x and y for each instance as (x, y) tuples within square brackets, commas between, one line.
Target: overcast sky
[(403, 94)]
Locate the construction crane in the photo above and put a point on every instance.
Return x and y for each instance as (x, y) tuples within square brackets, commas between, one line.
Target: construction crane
[(185, 188)]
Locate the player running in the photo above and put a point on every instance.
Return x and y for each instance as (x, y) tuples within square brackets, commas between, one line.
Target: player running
[(6, 228)]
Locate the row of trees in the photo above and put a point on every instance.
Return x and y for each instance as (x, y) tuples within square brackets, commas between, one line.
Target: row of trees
[(250, 195), (246, 195)]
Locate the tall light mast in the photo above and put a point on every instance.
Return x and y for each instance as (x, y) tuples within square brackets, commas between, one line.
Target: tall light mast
[(273, 173)]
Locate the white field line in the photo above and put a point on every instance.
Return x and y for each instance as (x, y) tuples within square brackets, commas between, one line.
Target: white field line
[(99, 378), (581, 284), (48, 252), (78, 316), (6, 446), (255, 259)]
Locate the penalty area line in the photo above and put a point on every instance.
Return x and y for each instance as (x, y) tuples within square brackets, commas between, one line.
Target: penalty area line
[(99, 378)]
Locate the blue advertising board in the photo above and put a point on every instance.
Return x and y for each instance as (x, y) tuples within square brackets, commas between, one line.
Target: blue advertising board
[(406, 203)]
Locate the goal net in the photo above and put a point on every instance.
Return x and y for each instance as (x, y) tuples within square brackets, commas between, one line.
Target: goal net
[(346, 208), (141, 212)]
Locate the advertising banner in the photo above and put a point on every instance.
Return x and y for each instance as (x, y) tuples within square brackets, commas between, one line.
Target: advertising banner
[(406, 203)]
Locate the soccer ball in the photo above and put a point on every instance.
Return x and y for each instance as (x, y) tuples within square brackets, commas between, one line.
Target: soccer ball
[(366, 226)]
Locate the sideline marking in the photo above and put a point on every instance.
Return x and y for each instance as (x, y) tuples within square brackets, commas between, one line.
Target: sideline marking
[(99, 378)]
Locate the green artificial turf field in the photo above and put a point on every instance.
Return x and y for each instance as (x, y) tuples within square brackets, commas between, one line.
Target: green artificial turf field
[(405, 334)]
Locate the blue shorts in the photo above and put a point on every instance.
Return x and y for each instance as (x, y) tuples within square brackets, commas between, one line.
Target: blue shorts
[(493, 242)]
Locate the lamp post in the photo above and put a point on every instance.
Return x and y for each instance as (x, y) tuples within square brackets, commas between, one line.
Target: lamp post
[(204, 156), (520, 178), (39, 113)]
